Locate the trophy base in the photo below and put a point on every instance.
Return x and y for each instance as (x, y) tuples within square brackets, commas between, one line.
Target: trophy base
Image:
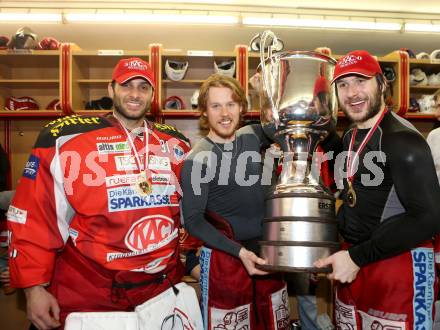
[(299, 229), (295, 258)]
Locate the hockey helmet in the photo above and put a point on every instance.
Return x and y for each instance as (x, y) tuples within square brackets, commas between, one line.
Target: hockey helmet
[(54, 105), (422, 56), (21, 103), (435, 55), (195, 99), (226, 68), (24, 38), (49, 43), (104, 103), (174, 103), (175, 70), (389, 74), (434, 79), (418, 78), (413, 104), (4, 42)]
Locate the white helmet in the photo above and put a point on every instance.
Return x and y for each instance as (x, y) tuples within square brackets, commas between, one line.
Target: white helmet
[(435, 55), (195, 99), (426, 103), (175, 70), (226, 68), (434, 79), (422, 56), (418, 78)]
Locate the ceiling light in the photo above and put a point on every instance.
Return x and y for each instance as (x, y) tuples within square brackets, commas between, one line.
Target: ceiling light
[(323, 23), (150, 18), (9, 17), (417, 27)]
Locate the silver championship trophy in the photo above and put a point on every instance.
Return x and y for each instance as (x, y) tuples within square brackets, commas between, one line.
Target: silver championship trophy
[(298, 108)]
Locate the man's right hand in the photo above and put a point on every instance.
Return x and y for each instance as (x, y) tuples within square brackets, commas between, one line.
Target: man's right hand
[(249, 259), (42, 308)]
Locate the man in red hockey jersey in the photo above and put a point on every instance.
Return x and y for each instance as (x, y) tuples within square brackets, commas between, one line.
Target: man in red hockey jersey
[(94, 223)]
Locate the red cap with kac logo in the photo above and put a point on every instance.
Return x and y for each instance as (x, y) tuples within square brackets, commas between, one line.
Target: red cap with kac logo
[(357, 62), (129, 68)]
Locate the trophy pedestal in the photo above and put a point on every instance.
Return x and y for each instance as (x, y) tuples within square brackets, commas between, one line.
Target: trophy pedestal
[(299, 228)]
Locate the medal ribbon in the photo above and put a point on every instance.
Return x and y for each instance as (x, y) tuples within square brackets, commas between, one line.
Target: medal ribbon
[(133, 147), (350, 162)]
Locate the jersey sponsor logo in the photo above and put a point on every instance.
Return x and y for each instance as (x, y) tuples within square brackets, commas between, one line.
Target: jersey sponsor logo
[(58, 124), (125, 163), (126, 198), (113, 148), (160, 178), (237, 318), (178, 152), (122, 180), (108, 138), (150, 231), (16, 215), (424, 276), (131, 179), (372, 322), (204, 260), (31, 168), (155, 266), (159, 163)]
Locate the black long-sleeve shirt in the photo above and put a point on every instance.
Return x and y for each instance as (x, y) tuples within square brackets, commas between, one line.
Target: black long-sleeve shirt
[(398, 208)]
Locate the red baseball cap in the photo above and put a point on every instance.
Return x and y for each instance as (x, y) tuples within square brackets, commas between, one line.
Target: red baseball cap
[(357, 62), (129, 68)]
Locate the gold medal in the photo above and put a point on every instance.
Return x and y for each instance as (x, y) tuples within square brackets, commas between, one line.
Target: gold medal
[(143, 186), (351, 195)]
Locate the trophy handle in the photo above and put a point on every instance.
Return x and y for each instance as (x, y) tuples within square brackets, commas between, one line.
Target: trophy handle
[(268, 39)]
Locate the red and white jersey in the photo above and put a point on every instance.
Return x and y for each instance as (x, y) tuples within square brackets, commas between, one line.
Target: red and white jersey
[(82, 182)]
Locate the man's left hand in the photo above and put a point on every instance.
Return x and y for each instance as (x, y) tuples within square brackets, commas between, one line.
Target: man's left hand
[(344, 269)]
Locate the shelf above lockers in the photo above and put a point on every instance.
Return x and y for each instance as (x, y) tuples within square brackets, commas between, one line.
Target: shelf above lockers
[(34, 74)]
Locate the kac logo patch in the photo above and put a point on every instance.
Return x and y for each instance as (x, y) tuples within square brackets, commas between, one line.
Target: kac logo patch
[(150, 231), (31, 168)]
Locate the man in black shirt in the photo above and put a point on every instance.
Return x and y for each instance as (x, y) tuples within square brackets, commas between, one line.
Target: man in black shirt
[(223, 185), (390, 213)]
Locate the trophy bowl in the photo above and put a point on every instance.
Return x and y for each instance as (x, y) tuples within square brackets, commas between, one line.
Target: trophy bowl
[(298, 109)]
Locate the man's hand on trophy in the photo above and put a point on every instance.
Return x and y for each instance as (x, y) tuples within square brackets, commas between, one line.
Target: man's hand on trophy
[(249, 260), (344, 269)]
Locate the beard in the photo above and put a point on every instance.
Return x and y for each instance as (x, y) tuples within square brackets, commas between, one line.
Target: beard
[(119, 108), (376, 106)]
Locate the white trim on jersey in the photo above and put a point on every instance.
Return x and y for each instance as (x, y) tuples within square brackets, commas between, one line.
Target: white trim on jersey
[(64, 210)]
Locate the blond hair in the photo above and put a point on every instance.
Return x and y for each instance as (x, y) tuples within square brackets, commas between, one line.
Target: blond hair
[(218, 80)]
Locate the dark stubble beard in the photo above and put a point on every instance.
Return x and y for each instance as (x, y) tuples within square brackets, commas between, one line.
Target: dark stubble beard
[(376, 106), (122, 112)]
